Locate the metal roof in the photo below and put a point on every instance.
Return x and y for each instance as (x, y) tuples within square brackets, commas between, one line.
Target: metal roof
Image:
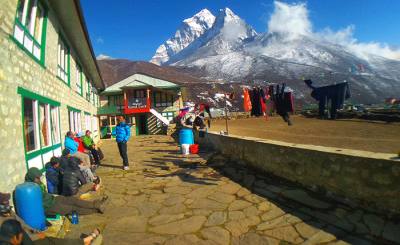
[(137, 81)]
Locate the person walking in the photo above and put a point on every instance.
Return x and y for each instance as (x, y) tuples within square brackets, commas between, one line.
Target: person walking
[(123, 133)]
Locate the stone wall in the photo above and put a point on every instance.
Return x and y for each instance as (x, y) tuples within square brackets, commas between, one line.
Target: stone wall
[(18, 69), (370, 179)]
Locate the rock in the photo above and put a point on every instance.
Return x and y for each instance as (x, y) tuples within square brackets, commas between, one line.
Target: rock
[(185, 226), (287, 234), (264, 206), (272, 214), (216, 218), (183, 240), (236, 215), (252, 198), (222, 197), (173, 200), (254, 239), (129, 224), (305, 230), (238, 205), (251, 211), (165, 218), (260, 184), (252, 220), (319, 238), (374, 223), (243, 192), (284, 220), (153, 240), (178, 189), (202, 212), (176, 209), (236, 227), (391, 232), (205, 203), (148, 208), (201, 192), (230, 188), (248, 180), (303, 198), (216, 234)]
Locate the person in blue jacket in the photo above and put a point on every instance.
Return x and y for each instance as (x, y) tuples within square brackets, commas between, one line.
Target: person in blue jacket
[(122, 134), (54, 176)]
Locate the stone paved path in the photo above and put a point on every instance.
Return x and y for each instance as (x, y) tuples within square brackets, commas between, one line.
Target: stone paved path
[(169, 199)]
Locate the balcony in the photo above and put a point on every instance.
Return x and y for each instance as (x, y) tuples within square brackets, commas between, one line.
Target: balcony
[(137, 105), (110, 110)]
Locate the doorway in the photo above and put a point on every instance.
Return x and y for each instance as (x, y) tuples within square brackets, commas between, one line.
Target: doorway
[(141, 124)]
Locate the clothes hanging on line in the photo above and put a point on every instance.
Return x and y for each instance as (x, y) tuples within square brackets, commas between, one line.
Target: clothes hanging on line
[(246, 100), (255, 98), (332, 96), (283, 102)]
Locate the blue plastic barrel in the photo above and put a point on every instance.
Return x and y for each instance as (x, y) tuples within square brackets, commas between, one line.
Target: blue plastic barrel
[(186, 136), (29, 203)]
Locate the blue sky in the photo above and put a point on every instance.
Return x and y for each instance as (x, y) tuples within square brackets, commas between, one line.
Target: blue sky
[(133, 29)]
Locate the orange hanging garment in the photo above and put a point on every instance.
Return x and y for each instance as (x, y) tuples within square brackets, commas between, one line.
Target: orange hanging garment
[(246, 100)]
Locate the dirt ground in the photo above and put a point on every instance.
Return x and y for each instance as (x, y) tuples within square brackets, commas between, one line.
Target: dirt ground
[(349, 134)]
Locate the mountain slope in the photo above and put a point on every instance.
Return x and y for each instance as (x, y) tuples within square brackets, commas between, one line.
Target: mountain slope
[(189, 31), (232, 51), (228, 33)]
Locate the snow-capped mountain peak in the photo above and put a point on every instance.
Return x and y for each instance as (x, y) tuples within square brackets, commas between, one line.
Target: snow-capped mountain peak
[(190, 30)]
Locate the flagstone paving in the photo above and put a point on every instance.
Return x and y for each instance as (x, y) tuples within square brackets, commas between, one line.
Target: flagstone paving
[(169, 199)]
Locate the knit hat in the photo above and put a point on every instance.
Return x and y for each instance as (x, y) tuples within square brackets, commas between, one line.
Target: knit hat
[(32, 174)]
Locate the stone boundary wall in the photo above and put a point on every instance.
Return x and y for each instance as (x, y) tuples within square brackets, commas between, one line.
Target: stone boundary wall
[(366, 178)]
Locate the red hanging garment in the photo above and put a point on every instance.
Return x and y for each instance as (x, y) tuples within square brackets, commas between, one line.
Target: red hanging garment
[(246, 100)]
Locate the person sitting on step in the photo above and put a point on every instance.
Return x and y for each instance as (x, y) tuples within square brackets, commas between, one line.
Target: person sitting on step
[(74, 183), (63, 205)]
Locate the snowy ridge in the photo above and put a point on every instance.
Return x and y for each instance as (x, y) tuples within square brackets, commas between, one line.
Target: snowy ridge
[(231, 50), (190, 30)]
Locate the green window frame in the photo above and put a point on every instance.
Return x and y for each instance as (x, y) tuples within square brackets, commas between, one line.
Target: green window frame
[(53, 121), (63, 64), (79, 80), (30, 26), (74, 119), (89, 89)]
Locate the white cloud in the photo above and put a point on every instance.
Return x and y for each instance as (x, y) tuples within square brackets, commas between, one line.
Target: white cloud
[(292, 21), (104, 57)]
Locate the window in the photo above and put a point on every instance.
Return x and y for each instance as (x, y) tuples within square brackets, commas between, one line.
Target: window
[(41, 128), (55, 124), (88, 122), (162, 99), (63, 61), (167, 115), (74, 120), (78, 80), (30, 121), (95, 124), (29, 29), (44, 116)]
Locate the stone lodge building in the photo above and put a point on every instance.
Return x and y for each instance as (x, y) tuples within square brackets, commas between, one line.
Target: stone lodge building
[(49, 80), (149, 104)]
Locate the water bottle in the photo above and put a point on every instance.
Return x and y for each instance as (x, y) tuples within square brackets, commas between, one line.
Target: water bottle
[(74, 218)]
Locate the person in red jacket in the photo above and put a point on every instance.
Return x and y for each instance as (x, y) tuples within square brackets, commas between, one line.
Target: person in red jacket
[(78, 138)]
